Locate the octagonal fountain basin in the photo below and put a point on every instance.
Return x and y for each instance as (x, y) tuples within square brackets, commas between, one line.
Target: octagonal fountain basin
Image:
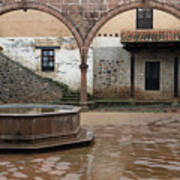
[(37, 126)]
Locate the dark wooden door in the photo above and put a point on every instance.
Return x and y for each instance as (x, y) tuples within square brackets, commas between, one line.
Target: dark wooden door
[(152, 75)]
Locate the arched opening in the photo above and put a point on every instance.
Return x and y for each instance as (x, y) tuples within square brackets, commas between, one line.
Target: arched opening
[(44, 8), (32, 23), (122, 70), (84, 44), (165, 7), (40, 42), (168, 7)]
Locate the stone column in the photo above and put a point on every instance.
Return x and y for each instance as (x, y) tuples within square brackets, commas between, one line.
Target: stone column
[(84, 98), (84, 67)]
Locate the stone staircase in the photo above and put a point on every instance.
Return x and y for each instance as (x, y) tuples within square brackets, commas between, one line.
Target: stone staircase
[(19, 84), (74, 99)]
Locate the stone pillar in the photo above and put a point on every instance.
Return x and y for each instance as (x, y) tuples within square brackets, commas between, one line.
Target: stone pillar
[(23, 2), (84, 67)]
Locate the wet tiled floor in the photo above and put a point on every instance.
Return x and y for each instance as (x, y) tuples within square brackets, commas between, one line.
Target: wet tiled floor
[(126, 147)]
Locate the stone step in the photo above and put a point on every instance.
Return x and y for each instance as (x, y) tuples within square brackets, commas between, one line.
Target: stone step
[(71, 99), (74, 95), (75, 103), (21, 85), (74, 98)]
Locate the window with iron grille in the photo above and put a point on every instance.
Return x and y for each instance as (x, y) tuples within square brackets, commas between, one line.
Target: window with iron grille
[(152, 76), (144, 18), (47, 60)]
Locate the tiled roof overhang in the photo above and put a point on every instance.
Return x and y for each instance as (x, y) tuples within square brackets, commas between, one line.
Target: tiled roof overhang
[(150, 36)]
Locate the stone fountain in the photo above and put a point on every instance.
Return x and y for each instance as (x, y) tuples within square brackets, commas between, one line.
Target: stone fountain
[(37, 126)]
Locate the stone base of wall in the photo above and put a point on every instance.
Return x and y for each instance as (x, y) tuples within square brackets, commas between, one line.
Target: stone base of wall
[(20, 85), (150, 95), (111, 73), (121, 92)]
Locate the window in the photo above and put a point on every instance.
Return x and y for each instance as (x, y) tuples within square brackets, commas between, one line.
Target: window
[(116, 35), (152, 75), (47, 60), (144, 18)]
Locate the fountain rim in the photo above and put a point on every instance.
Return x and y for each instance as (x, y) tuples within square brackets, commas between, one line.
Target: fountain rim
[(72, 110)]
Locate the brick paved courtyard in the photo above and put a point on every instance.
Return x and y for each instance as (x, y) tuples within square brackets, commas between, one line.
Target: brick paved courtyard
[(127, 146)]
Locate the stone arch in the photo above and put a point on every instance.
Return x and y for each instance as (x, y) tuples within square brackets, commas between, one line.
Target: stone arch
[(169, 8), (57, 14), (47, 9)]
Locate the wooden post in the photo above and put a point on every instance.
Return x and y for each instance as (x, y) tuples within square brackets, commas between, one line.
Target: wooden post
[(176, 74), (132, 73)]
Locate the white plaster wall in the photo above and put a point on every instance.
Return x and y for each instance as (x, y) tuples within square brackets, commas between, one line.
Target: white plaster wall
[(67, 59), (106, 42)]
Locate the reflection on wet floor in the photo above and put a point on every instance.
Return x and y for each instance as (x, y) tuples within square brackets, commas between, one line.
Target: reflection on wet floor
[(126, 152)]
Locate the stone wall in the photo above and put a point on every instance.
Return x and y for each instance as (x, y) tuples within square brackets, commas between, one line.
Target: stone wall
[(50, 26), (166, 59), (83, 15), (67, 58), (20, 85), (111, 72), (115, 26), (108, 74)]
